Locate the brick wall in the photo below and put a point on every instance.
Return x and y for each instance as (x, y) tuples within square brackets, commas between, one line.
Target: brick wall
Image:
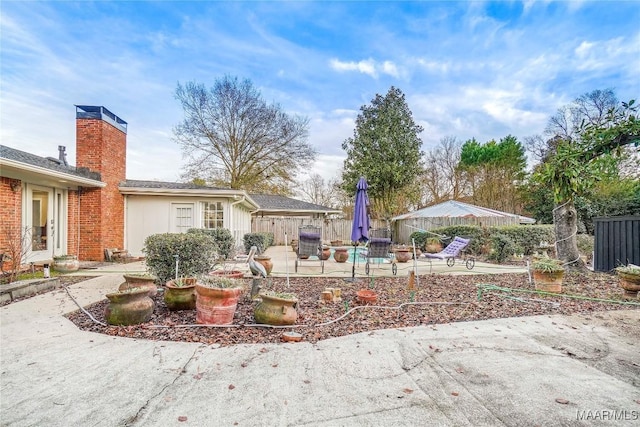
[(11, 214), (72, 222), (101, 147)]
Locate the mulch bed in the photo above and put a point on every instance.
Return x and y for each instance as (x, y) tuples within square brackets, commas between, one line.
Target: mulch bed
[(458, 293)]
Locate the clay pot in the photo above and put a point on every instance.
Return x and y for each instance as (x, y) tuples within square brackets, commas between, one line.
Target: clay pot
[(216, 306), (265, 261), (140, 281), (326, 253), (180, 297), (336, 243), (272, 310), (341, 254), (291, 337), (630, 283), (129, 307), (403, 255), (231, 274), (367, 296), (66, 264), (548, 281)]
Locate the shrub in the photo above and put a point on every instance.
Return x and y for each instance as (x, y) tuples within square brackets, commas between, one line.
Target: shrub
[(585, 244), (196, 253), (222, 237), (502, 247), (260, 240), (527, 237)]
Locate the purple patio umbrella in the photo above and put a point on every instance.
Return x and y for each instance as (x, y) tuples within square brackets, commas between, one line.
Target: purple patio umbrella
[(360, 226)]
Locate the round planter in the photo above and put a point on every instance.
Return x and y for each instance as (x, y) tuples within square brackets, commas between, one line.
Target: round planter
[(548, 281), (432, 248), (341, 254), (140, 281), (66, 264), (216, 306), (630, 283), (367, 296), (326, 253), (272, 310), (180, 297), (129, 307), (231, 274), (403, 255), (265, 261), (336, 243)]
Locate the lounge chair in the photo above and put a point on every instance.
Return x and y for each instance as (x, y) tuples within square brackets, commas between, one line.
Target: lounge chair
[(309, 245), (453, 251), (379, 248)]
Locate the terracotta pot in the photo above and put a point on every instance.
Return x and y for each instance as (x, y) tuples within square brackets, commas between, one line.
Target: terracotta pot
[(66, 264), (272, 310), (129, 307), (548, 281), (266, 262), (231, 274), (140, 281), (367, 296), (180, 297), (630, 283), (326, 253), (341, 254), (433, 248), (336, 243), (403, 255), (216, 306)]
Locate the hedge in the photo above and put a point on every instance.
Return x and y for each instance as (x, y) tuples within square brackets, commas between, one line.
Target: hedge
[(223, 238), (196, 254), (260, 240)]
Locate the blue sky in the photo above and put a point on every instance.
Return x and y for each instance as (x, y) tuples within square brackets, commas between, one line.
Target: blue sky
[(468, 69)]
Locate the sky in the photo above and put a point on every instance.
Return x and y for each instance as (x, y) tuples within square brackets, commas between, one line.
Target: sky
[(474, 69)]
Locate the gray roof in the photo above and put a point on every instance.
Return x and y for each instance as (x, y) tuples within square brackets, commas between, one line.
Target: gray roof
[(50, 163), (454, 208), (269, 202), (134, 183)]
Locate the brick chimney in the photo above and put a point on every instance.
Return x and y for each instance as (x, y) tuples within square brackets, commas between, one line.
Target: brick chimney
[(101, 146)]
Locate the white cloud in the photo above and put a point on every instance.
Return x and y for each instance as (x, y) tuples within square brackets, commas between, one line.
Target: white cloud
[(368, 66)]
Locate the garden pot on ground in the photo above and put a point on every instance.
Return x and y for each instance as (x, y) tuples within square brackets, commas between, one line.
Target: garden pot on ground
[(630, 283), (326, 253), (140, 281), (66, 264), (275, 310), (403, 254), (265, 261), (548, 281), (341, 254), (367, 296), (216, 306), (180, 297), (129, 307)]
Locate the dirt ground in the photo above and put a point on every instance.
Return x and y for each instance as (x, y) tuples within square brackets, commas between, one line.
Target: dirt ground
[(437, 299)]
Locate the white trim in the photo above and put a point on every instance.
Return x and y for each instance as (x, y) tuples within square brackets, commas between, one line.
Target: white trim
[(70, 178)]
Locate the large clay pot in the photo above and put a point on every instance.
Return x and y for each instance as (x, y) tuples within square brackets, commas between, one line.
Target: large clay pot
[(326, 253), (403, 255), (367, 296), (231, 274), (548, 281), (272, 310), (216, 306), (129, 307), (140, 281), (341, 254), (180, 297), (265, 261), (630, 283), (66, 264)]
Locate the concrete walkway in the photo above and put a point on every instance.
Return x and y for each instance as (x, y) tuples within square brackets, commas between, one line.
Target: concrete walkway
[(543, 370)]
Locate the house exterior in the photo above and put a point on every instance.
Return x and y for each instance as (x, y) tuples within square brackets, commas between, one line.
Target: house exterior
[(51, 208)]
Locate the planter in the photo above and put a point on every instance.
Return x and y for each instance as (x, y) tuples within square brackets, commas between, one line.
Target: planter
[(66, 264), (180, 297), (367, 296), (433, 248), (326, 253), (336, 243), (630, 283), (231, 274), (294, 245), (548, 281), (265, 261), (273, 310), (129, 307), (140, 281), (403, 255), (341, 254), (216, 306)]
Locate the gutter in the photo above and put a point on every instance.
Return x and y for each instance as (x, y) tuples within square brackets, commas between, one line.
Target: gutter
[(75, 179)]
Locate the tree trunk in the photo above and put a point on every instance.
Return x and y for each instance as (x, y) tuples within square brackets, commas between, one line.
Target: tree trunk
[(565, 221)]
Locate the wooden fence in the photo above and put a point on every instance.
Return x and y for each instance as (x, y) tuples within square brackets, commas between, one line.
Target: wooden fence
[(340, 229)]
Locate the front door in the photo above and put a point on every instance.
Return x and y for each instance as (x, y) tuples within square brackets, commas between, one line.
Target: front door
[(38, 223)]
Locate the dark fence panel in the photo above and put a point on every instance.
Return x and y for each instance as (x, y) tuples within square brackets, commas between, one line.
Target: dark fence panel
[(617, 242)]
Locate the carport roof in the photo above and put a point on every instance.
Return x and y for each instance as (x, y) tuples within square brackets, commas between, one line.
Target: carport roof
[(456, 209)]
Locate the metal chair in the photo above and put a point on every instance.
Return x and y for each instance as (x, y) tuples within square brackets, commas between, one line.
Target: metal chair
[(309, 245)]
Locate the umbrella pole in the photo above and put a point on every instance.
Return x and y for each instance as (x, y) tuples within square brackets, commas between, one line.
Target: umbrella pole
[(353, 267)]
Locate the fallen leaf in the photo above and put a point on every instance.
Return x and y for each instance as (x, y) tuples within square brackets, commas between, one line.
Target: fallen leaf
[(408, 390), (274, 366), (306, 382), (459, 370), (455, 393), (182, 418), (198, 376), (231, 386), (263, 350), (562, 401), (244, 364)]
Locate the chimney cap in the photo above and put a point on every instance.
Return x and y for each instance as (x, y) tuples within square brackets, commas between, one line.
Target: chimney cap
[(100, 113)]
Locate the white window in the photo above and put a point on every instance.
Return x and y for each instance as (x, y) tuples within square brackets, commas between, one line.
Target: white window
[(212, 215)]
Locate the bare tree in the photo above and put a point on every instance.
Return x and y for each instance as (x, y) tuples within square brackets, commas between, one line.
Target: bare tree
[(316, 190), (16, 242), (231, 137), (442, 180)]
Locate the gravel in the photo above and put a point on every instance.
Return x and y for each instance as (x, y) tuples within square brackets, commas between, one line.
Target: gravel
[(441, 298)]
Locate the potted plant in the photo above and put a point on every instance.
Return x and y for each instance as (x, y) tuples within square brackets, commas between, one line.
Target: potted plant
[(217, 299), (128, 307), (276, 308), (180, 294), (433, 245), (140, 280), (548, 274), (629, 279), (66, 263), (266, 262), (403, 253)]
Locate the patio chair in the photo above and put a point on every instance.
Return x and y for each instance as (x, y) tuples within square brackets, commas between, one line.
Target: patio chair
[(309, 245), (379, 249), (452, 251)]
